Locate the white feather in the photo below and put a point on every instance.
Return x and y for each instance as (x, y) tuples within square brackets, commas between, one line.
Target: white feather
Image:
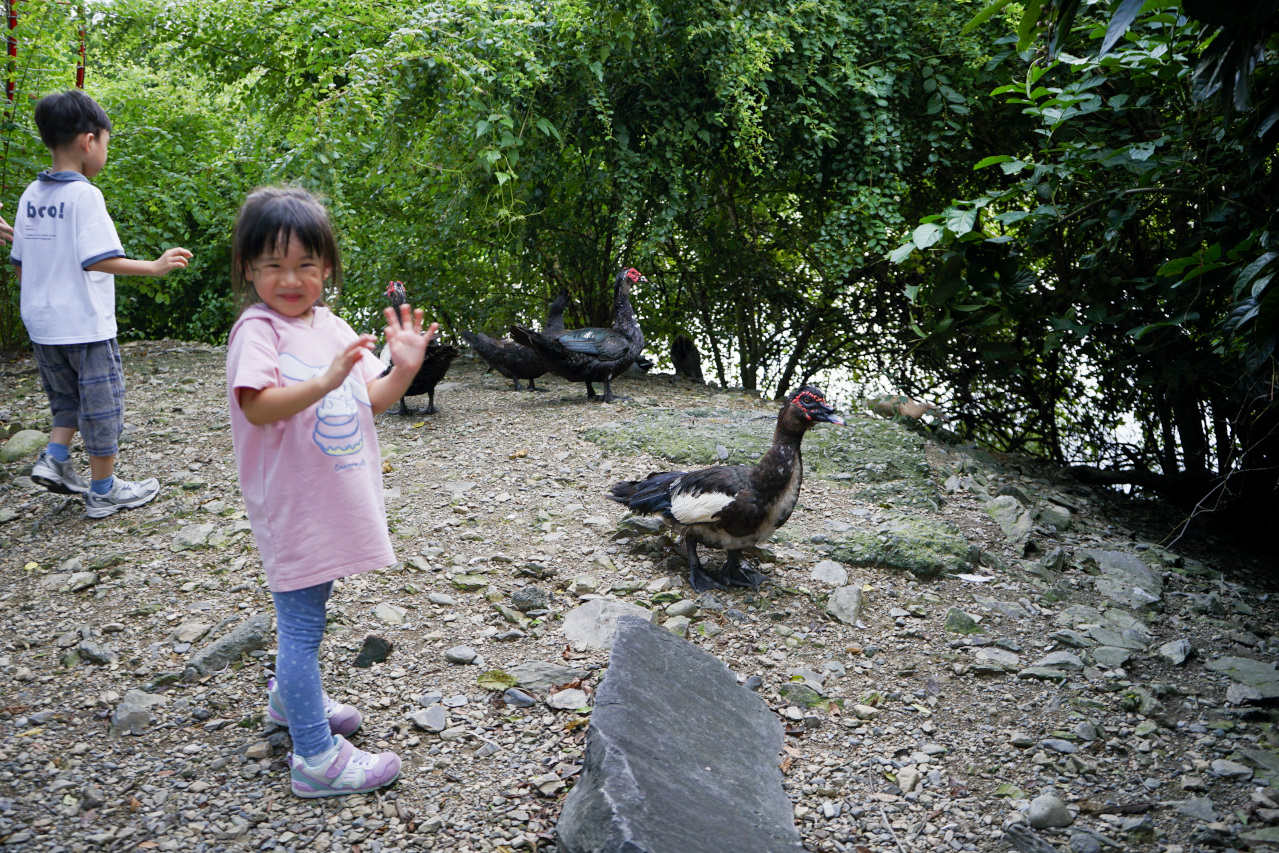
[(698, 509)]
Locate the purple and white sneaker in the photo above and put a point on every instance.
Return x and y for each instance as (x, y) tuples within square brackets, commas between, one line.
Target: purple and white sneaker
[(343, 719), (351, 771)]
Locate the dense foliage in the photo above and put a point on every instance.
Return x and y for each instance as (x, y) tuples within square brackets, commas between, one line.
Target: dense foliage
[(1121, 255), (1089, 270)]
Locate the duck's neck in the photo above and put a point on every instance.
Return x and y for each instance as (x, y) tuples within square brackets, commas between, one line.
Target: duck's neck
[(779, 464), (624, 316)]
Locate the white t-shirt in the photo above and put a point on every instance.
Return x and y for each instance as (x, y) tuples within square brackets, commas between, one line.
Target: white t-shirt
[(61, 227)]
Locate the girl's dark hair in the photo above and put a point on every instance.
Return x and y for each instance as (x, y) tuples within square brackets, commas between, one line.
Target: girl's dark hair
[(63, 116), (268, 220)]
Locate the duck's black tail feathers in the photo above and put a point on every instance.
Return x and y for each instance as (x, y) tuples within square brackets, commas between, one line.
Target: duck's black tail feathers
[(650, 496)]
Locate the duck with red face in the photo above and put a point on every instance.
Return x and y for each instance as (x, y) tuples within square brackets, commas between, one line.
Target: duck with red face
[(733, 506)]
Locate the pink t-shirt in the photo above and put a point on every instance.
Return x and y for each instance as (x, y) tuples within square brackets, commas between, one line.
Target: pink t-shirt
[(312, 483)]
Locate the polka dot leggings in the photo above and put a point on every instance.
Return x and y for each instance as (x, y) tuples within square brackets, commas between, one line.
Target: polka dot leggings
[(299, 628)]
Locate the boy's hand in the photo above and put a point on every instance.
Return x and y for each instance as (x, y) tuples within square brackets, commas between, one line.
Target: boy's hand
[(404, 337), (6, 230), (344, 361), (175, 258)]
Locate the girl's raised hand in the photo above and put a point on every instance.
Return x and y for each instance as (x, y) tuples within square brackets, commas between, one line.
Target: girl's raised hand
[(344, 361), (404, 337)]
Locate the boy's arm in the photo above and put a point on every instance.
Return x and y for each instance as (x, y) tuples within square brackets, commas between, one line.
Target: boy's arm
[(6, 230), (174, 258)]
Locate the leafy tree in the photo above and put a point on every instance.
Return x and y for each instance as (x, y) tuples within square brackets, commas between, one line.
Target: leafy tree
[(1119, 264)]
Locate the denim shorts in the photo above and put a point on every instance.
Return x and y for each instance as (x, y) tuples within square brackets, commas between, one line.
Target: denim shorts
[(85, 387)]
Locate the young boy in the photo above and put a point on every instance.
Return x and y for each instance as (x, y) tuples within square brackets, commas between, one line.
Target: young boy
[(67, 255)]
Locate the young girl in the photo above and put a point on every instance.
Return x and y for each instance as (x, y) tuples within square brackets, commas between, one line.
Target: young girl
[(303, 390)]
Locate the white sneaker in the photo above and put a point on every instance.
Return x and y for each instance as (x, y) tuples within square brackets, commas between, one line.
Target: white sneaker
[(57, 475), (123, 495)]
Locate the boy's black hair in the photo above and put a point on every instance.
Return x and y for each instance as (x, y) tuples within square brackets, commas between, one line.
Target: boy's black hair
[(269, 219), (63, 116)]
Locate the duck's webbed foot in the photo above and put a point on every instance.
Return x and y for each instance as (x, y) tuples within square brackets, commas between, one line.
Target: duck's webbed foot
[(430, 404), (609, 396), (698, 578), (738, 573), (405, 411), (590, 392)]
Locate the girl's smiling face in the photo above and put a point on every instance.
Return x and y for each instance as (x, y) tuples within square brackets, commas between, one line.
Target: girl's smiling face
[(289, 278)]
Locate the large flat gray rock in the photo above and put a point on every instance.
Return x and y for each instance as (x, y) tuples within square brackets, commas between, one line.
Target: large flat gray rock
[(679, 758), (1127, 579)]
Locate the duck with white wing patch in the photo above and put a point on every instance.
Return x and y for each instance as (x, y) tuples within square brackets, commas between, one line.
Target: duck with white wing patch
[(733, 506)]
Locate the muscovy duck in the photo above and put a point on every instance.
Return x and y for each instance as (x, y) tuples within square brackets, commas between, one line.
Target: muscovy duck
[(434, 365), (516, 361), (733, 506), (593, 354)]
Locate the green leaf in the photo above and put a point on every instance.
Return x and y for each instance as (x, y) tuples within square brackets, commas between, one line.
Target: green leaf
[(990, 161), (496, 680), (926, 235), (985, 15), (960, 222), (901, 253)]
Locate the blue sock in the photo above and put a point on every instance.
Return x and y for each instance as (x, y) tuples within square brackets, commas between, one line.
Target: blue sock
[(59, 452), (101, 487)]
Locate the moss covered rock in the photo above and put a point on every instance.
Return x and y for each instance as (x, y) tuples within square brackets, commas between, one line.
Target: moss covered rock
[(925, 547)]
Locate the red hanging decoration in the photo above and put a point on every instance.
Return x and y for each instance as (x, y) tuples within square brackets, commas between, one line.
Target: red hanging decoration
[(79, 68)]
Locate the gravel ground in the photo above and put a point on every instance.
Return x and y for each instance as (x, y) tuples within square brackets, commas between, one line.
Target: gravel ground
[(923, 748)]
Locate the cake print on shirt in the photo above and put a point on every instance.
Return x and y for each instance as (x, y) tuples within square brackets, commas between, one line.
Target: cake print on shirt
[(337, 429)]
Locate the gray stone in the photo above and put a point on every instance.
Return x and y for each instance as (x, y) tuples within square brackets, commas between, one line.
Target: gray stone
[(1177, 651), (830, 572), (670, 719), (23, 443), (1013, 518), (1107, 637), (1230, 770), (1065, 747), (94, 653), (595, 622), (1241, 694), (1110, 656), (431, 719), (959, 622), (1127, 579), (530, 598), (519, 698), (997, 660), (250, 635), (1082, 842), (568, 700), (92, 798), (461, 655), (1254, 673), (677, 625), (133, 714), (192, 536), (1048, 811), (1200, 808), (845, 604), (374, 649), (390, 614), (80, 581), (684, 607), (1061, 660), (542, 675)]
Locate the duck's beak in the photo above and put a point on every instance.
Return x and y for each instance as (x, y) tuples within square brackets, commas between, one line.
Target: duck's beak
[(827, 415)]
